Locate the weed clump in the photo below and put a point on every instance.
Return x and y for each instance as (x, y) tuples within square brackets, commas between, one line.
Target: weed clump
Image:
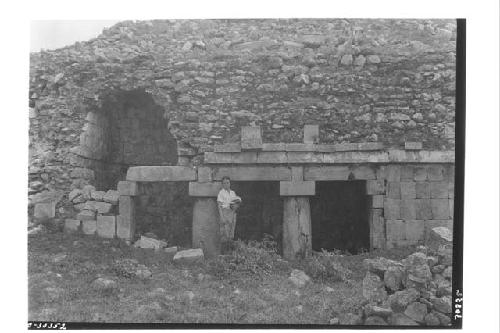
[(326, 266)]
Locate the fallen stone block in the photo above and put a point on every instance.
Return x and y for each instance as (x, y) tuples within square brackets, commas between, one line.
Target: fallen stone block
[(442, 234), (149, 243), (170, 250), (299, 278), (106, 226), (72, 225), (89, 227), (190, 256), (112, 197)]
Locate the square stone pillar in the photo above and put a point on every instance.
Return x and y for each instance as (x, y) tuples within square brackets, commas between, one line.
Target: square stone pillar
[(297, 242), (206, 226), (125, 224)]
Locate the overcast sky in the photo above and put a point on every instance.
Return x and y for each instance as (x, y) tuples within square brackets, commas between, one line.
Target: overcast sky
[(57, 33)]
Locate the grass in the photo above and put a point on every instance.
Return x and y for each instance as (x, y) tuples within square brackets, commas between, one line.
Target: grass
[(62, 268)]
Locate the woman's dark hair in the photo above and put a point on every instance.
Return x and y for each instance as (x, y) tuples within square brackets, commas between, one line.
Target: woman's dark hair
[(226, 177)]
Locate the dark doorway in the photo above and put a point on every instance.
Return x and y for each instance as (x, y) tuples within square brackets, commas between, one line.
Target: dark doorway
[(261, 211), (339, 216)]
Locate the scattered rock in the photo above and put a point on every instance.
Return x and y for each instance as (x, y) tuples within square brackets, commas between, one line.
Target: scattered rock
[(400, 319), (373, 288), (442, 234), (190, 256), (334, 321), (393, 278), (431, 319), (350, 319), (104, 284), (401, 299), (149, 243), (442, 304), (375, 321), (373, 310), (299, 278), (416, 311)]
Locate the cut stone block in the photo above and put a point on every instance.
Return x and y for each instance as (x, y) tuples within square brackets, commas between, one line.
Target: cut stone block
[(413, 145), (126, 206), (125, 227), (377, 201), (272, 157), (355, 157), (161, 173), (440, 209), (439, 190), (297, 240), (408, 209), (375, 187), (423, 209), (262, 173), (246, 157), (228, 148), (45, 210), (392, 209), (300, 147), (423, 190), (327, 173), (89, 227), (436, 156), (325, 148), (364, 172), (452, 207), (297, 173), (415, 231), (408, 190), (206, 226), (420, 174), (97, 195), (346, 147), (204, 174), (103, 207), (396, 230), (273, 147), (311, 133), (304, 157), (72, 225), (393, 173), (190, 256), (127, 188), (149, 243), (451, 189), (204, 189), (106, 226), (370, 146), (86, 215), (112, 197), (435, 173), (251, 137), (407, 173), (394, 190), (297, 188), (377, 229)]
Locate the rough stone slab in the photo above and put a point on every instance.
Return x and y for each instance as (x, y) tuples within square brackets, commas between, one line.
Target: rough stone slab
[(408, 209), (228, 148), (303, 157), (127, 188), (89, 227), (422, 190), (297, 173), (86, 215), (204, 174), (300, 147), (206, 226), (327, 173), (271, 157), (72, 225), (423, 209), (440, 209), (364, 172), (370, 146), (297, 188), (377, 201), (375, 187), (246, 157), (431, 224), (251, 137), (439, 190), (409, 145), (45, 210), (263, 173), (112, 197), (395, 230), (106, 226), (204, 189), (311, 133), (408, 190), (392, 209), (125, 227), (273, 147), (190, 256), (161, 173), (415, 230), (394, 190)]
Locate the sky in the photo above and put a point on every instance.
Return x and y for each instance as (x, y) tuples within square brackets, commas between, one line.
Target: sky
[(53, 34)]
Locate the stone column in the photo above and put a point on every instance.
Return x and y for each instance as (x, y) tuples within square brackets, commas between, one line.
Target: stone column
[(205, 217), (297, 242), (125, 222)]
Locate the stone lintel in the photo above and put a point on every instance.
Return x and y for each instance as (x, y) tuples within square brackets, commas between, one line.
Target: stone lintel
[(297, 188), (326, 173), (272, 157), (263, 173), (309, 147), (161, 173), (204, 189), (421, 156), (274, 147), (204, 174), (127, 188)]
